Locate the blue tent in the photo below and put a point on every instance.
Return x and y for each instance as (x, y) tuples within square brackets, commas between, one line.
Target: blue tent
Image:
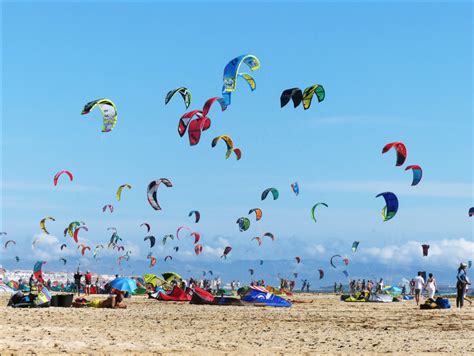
[(268, 299)]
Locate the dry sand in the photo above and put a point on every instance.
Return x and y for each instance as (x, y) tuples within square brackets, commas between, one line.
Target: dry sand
[(324, 326)]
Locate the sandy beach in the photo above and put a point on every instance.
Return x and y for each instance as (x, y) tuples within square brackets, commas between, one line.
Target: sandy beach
[(325, 325)]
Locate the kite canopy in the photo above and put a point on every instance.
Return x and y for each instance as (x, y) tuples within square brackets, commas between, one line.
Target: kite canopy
[(244, 223), (118, 195), (314, 208), (295, 188), (232, 72), (59, 174), (37, 272), (259, 295), (226, 251), (425, 249), (332, 260), (294, 94), (274, 192), (258, 213), (471, 211), (270, 235), (148, 227), (109, 112), (198, 249), (184, 92), (43, 223), (152, 190), (321, 274), (124, 284), (401, 150), (197, 237), (9, 242), (108, 206), (152, 240), (355, 245), (417, 173), (230, 146), (309, 93), (197, 215), (391, 205)]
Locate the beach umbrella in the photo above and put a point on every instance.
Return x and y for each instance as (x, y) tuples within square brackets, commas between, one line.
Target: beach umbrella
[(124, 284)]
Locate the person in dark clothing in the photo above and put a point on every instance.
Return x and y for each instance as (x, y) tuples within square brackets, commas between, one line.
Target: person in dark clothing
[(461, 283), (77, 281)]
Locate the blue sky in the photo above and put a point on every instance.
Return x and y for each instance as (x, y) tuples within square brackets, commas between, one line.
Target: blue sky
[(392, 72)]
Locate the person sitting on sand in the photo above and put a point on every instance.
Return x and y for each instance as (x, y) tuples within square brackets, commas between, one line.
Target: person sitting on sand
[(419, 283), (431, 286)]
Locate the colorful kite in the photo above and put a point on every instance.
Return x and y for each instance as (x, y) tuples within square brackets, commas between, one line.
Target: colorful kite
[(274, 192), (244, 224), (184, 92), (258, 213), (43, 223), (417, 173), (401, 150), (231, 73), (59, 174), (391, 205), (109, 112), (152, 189)]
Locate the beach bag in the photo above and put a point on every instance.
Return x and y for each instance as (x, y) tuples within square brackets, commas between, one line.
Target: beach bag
[(429, 304), (443, 303)]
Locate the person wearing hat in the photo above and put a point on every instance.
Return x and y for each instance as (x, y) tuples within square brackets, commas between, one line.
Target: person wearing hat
[(461, 284)]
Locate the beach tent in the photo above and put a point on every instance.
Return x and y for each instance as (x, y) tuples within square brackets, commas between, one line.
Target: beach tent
[(261, 296), (154, 280), (176, 295), (200, 296), (380, 298), (169, 276)]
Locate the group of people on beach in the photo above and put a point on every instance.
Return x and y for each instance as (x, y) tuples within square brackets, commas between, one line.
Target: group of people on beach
[(369, 286)]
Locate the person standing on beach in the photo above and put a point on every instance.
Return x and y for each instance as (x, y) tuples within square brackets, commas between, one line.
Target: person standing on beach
[(335, 287), (31, 283), (431, 286), (303, 287), (461, 284), (77, 281), (307, 287), (419, 283), (88, 278)]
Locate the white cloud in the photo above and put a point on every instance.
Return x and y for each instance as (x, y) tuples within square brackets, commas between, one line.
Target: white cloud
[(443, 252)]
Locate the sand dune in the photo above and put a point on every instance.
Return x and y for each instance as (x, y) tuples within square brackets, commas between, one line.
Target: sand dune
[(324, 326)]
